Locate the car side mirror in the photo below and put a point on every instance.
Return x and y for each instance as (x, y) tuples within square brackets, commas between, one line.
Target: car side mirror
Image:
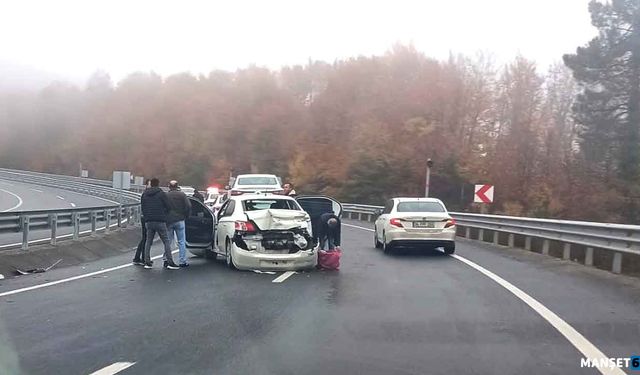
[(378, 212)]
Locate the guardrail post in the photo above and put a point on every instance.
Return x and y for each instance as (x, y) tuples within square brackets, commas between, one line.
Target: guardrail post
[(369, 217), (527, 243), (512, 240), (127, 216), (545, 247), (496, 237), (53, 222), (467, 232), (75, 218), (566, 252), (481, 234), (588, 257), (24, 223), (360, 216), (94, 218), (617, 263), (119, 216), (107, 219)]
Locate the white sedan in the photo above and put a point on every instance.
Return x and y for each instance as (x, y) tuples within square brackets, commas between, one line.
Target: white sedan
[(259, 231), (415, 221)]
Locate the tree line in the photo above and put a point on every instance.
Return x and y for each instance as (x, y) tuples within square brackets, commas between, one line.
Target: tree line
[(559, 143)]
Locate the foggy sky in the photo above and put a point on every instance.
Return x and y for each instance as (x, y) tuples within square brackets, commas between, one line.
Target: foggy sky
[(75, 38)]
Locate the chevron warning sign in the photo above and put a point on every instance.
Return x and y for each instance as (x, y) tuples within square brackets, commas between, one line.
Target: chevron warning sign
[(483, 194)]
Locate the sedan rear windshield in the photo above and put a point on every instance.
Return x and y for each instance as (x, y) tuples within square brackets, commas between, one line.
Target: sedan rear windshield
[(265, 204), (257, 181), (420, 207)]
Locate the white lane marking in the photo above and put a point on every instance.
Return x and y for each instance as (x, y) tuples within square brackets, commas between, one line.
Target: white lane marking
[(355, 226), (73, 204), (83, 276), (59, 197), (579, 342), (36, 190), (15, 196), (114, 368), (575, 338), (283, 277)]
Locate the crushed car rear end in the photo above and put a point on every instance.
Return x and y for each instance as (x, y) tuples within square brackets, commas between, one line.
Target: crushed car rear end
[(274, 239)]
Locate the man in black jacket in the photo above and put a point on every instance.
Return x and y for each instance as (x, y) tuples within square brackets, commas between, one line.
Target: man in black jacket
[(138, 258), (180, 210), (155, 207), (329, 231)]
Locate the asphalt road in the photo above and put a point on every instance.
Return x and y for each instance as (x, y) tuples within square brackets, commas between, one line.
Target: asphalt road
[(418, 312), (15, 196)]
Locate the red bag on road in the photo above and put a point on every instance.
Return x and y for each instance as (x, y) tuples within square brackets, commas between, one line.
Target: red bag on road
[(329, 260)]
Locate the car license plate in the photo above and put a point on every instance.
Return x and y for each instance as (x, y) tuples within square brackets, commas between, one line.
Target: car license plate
[(423, 224)]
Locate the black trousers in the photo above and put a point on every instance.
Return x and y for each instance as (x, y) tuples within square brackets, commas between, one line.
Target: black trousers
[(140, 249)]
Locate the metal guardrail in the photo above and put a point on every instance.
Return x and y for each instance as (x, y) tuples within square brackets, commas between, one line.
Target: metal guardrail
[(75, 184), (99, 218), (125, 209), (617, 238)]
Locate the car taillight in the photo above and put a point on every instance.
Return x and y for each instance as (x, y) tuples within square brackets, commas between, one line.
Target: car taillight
[(236, 192), (245, 226), (396, 223), (449, 223)]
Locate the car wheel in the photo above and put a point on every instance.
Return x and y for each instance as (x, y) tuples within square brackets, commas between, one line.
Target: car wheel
[(377, 244), (450, 249), (228, 255), (386, 248)]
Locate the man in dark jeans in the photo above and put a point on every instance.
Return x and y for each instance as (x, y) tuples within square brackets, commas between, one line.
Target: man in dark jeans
[(137, 259), (155, 207)]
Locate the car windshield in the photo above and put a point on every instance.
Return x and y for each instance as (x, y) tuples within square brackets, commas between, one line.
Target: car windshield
[(265, 204), (420, 207), (257, 181)]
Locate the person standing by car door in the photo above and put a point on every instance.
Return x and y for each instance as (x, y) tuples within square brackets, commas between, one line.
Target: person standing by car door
[(197, 195), (137, 259), (155, 207), (288, 189), (330, 231), (180, 210)]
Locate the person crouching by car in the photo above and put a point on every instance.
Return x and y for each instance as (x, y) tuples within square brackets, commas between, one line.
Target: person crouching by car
[(180, 210), (155, 207), (329, 231)]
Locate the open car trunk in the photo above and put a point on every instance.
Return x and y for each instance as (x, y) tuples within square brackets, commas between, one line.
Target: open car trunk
[(277, 232), (199, 226)]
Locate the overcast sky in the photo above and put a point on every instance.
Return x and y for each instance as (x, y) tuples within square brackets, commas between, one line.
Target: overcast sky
[(74, 38)]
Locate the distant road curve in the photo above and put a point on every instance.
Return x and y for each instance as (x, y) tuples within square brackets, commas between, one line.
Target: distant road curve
[(18, 196)]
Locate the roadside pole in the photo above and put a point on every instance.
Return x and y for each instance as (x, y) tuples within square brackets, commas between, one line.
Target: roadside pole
[(428, 179)]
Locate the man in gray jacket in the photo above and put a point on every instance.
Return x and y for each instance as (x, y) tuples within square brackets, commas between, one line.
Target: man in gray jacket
[(180, 210)]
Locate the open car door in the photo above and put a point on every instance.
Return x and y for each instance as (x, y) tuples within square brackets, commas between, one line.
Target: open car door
[(316, 205), (199, 228)]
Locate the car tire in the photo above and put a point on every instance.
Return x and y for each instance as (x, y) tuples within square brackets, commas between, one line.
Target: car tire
[(450, 249), (228, 255), (377, 244), (386, 247)]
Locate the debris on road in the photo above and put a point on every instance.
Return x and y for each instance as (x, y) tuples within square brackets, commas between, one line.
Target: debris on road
[(37, 270)]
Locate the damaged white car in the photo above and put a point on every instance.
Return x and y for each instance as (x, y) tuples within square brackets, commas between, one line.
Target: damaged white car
[(259, 231)]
